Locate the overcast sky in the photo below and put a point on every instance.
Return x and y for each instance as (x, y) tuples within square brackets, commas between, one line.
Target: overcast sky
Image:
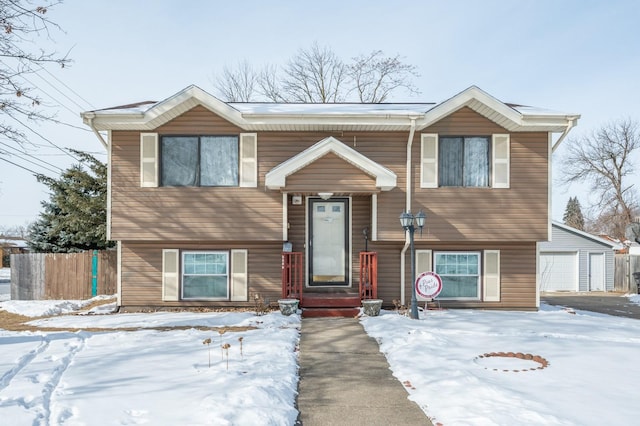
[(577, 56)]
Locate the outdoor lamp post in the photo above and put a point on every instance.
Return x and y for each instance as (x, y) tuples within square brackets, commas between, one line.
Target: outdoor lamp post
[(407, 222)]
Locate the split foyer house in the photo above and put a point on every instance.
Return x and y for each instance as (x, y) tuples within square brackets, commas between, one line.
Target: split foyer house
[(213, 202)]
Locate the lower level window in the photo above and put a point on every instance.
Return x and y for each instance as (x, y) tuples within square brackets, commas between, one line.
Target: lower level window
[(205, 275), (460, 273)]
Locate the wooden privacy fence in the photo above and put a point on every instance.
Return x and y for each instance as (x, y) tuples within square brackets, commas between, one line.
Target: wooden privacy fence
[(36, 276), (626, 265)]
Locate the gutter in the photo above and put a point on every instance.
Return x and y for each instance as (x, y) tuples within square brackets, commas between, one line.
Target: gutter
[(89, 118), (572, 123), (407, 241)]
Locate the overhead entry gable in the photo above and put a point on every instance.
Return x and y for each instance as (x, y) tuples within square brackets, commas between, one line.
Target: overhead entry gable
[(276, 178), (331, 173)]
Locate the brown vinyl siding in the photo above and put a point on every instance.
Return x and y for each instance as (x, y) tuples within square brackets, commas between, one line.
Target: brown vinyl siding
[(330, 174), (519, 213), (148, 220), (517, 274), (142, 273)]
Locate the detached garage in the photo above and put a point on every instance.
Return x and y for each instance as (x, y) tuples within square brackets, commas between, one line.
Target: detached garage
[(575, 261)]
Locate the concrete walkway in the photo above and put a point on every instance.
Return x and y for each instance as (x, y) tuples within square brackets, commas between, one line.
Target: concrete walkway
[(345, 380)]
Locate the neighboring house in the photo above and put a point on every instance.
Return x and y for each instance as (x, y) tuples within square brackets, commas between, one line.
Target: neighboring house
[(203, 195), (9, 246), (575, 260)]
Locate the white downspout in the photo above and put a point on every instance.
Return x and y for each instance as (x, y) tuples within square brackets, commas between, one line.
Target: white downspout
[(89, 117), (407, 241), (571, 125)]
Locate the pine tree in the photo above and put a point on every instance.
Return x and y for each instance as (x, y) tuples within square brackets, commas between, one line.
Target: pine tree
[(573, 214), (74, 218)]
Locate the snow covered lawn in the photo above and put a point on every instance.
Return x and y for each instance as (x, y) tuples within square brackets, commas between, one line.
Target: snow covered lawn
[(163, 377), (149, 376), (592, 378)]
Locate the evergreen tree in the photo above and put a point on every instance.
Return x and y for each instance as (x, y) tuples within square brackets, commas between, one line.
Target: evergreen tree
[(573, 214), (74, 218)]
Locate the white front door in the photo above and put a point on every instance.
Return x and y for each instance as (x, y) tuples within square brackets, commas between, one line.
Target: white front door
[(596, 271), (328, 245)]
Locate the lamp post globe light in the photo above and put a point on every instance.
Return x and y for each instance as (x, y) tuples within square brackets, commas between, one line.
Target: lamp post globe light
[(407, 221)]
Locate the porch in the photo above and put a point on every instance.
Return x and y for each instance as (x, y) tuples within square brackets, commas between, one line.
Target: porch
[(329, 301)]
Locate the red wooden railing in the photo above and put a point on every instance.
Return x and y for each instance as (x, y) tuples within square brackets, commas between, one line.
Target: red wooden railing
[(292, 269), (368, 275)]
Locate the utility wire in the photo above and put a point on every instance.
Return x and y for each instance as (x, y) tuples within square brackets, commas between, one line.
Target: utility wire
[(22, 167), (45, 139), (22, 75), (29, 155), (62, 104), (70, 89)]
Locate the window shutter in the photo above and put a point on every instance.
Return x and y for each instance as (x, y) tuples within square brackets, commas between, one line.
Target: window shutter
[(170, 274), (239, 276), (148, 159), (491, 276), (423, 261), (500, 178), (249, 160), (429, 160)]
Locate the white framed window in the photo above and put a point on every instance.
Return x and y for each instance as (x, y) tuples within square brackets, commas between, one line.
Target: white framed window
[(460, 273), (465, 161), (199, 161), (205, 275)]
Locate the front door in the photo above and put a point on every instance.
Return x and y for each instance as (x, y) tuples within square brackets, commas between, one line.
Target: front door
[(328, 245)]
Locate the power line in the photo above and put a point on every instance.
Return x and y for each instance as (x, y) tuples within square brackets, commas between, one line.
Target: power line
[(62, 104), (22, 167), (45, 139), (70, 89), (32, 156), (22, 75)]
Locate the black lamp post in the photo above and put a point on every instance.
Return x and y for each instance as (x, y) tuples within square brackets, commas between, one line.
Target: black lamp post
[(407, 222)]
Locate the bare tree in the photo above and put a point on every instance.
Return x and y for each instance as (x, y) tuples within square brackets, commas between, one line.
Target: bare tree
[(238, 84), (375, 76), (22, 23), (314, 75), (604, 159), (318, 75), (270, 86)]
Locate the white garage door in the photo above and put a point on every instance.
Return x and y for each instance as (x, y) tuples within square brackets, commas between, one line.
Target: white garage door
[(558, 271)]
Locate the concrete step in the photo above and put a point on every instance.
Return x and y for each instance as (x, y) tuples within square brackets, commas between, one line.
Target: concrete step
[(330, 300), (329, 312)]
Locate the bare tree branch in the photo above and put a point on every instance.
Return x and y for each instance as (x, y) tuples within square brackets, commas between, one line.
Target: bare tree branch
[(238, 84), (603, 159), (375, 77), (22, 24), (318, 75), (314, 75)]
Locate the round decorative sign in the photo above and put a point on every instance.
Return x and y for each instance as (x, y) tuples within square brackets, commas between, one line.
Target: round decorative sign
[(428, 285)]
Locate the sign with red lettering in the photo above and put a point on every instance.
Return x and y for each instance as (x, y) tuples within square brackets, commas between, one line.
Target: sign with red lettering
[(428, 285)]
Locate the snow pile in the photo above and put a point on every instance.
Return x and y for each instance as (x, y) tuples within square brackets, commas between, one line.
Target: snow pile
[(592, 377), (5, 274), (634, 298), (5, 284), (41, 308)]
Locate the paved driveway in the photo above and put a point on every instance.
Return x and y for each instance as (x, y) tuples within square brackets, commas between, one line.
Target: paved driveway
[(604, 303)]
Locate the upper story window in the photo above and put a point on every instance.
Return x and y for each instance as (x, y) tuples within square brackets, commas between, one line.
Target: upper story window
[(463, 161), (199, 160)]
